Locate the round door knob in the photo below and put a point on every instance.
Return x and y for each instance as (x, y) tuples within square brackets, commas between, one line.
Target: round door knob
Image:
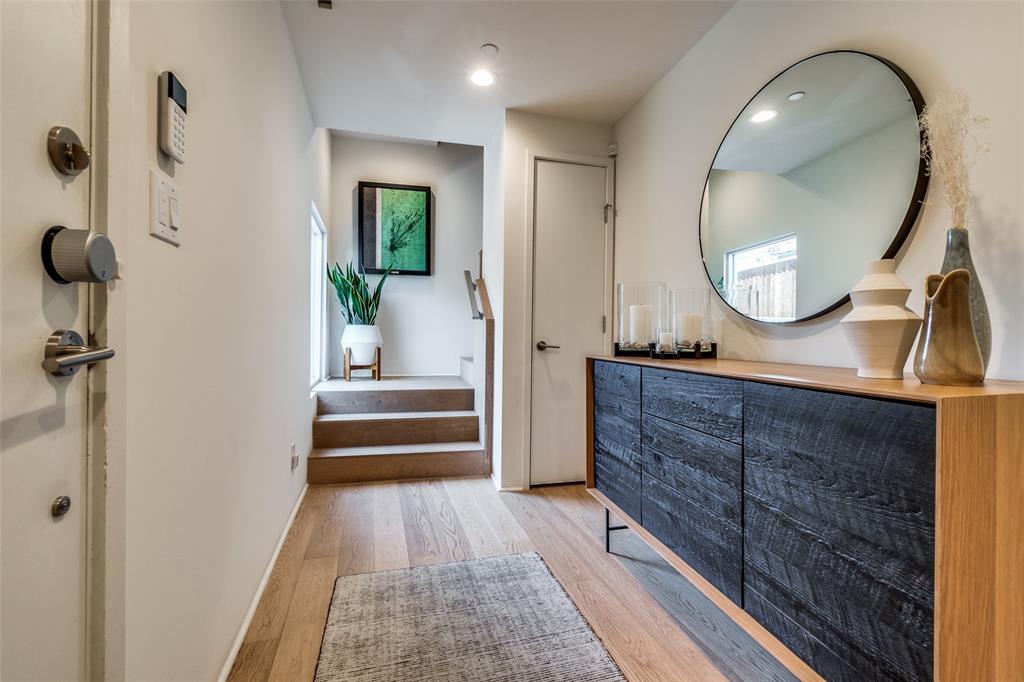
[(78, 256)]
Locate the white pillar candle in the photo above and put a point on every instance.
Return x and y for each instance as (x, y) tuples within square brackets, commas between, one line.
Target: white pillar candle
[(665, 341), (688, 326), (639, 324)]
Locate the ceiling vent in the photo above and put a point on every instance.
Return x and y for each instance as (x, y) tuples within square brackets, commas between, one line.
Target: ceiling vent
[(325, 4)]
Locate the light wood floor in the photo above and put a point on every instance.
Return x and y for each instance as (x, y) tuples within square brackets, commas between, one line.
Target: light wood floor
[(654, 624)]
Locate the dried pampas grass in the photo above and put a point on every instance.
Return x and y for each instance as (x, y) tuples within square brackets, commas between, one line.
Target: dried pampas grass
[(950, 146)]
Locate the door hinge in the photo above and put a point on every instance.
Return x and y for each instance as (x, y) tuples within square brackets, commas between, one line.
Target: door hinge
[(604, 324), (606, 207)]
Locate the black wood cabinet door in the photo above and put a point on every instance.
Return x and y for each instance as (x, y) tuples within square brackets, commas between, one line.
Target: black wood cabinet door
[(839, 529), (712, 405), (692, 499), (617, 434)]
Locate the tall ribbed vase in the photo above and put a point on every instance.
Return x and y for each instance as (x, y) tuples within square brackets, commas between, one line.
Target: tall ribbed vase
[(958, 255)]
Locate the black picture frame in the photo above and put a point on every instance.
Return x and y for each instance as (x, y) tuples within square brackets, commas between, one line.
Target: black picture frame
[(366, 233)]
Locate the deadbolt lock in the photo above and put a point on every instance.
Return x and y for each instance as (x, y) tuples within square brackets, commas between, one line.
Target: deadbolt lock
[(60, 506), (67, 153), (78, 256)]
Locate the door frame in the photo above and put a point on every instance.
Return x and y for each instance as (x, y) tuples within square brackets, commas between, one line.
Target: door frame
[(114, 209), (532, 157), (319, 222)]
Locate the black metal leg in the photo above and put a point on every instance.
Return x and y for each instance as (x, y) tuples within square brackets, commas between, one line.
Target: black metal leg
[(608, 528), (607, 532)]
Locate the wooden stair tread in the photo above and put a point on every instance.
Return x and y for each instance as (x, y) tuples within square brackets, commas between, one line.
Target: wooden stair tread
[(395, 462), (391, 383), (421, 394), (374, 416), (388, 450)]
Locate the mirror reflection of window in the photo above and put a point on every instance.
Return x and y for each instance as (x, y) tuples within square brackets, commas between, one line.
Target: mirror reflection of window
[(769, 270)]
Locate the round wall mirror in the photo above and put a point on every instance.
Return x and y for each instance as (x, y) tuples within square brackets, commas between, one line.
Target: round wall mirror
[(820, 173)]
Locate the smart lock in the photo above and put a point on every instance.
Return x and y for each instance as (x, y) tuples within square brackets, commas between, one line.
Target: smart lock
[(78, 256)]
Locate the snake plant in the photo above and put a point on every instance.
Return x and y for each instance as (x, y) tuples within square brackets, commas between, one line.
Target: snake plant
[(358, 305)]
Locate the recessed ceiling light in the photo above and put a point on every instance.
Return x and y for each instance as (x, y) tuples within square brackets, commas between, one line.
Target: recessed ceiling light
[(763, 115), (482, 77), (799, 94), (489, 49)]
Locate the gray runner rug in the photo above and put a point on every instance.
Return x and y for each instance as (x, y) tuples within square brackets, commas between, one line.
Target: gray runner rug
[(500, 618)]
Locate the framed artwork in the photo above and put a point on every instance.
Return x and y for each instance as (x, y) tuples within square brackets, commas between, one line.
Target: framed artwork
[(395, 222)]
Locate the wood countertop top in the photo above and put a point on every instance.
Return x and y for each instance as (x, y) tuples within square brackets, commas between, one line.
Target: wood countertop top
[(837, 379)]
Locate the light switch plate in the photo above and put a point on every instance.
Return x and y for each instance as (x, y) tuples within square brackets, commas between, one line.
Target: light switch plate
[(164, 209)]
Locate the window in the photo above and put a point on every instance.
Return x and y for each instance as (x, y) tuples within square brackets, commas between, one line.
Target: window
[(768, 272), (317, 281)]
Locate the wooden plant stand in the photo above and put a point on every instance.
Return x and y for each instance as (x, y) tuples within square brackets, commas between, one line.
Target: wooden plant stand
[(374, 367)]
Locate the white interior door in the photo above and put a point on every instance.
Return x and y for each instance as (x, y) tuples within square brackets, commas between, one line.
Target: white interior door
[(45, 82), (571, 247)]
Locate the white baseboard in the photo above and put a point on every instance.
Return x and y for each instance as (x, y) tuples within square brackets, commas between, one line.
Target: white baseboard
[(507, 489), (226, 670)]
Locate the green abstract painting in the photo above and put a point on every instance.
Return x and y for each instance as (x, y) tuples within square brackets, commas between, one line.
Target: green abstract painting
[(394, 228)]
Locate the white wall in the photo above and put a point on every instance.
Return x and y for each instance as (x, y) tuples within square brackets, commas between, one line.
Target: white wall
[(494, 274), (525, 133), (211, 386), (667, 142), (322, 175), (425, 321)]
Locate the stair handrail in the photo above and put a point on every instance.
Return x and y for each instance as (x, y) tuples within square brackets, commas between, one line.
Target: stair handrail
[(471, 290), (485, 300)]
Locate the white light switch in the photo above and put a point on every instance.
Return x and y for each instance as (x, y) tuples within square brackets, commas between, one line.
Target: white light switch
[(165, 209), (175, 212)]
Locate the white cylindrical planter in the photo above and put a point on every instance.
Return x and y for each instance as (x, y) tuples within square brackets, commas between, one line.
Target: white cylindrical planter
[(363, 339), (881, 329)]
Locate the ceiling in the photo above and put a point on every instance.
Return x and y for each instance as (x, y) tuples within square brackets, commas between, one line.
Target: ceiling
[(848, 95), (401, 68)]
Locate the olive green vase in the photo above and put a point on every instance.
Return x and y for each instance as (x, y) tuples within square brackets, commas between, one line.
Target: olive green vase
[(948, 352)]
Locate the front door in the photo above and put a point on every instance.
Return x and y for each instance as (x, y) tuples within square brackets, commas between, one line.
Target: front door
[(45, 60), (572, 250)]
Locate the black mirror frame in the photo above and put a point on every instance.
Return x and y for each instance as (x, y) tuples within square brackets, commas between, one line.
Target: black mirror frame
[(916, 198)]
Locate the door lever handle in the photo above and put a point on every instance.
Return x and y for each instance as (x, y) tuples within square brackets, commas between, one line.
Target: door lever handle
[(66, 352), (541, 345)]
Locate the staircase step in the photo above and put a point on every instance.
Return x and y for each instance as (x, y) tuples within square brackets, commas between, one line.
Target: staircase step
[(394, 394), (395, 428), (466, 370), (392, 462)]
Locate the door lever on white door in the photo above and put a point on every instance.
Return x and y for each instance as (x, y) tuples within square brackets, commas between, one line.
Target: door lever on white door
[(541, 345), (66, 352)]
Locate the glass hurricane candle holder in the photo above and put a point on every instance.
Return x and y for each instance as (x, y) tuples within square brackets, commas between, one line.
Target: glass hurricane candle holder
[(666, 342), (690, 313), (640, 312)]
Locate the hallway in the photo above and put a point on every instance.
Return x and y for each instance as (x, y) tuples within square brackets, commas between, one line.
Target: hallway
[(653, 622)]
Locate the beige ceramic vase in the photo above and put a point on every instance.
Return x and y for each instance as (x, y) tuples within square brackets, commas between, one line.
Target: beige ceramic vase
[(948, 352), (881, 329)]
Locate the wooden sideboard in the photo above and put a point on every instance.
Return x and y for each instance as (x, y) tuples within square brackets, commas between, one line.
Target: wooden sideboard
[(856, 528)]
